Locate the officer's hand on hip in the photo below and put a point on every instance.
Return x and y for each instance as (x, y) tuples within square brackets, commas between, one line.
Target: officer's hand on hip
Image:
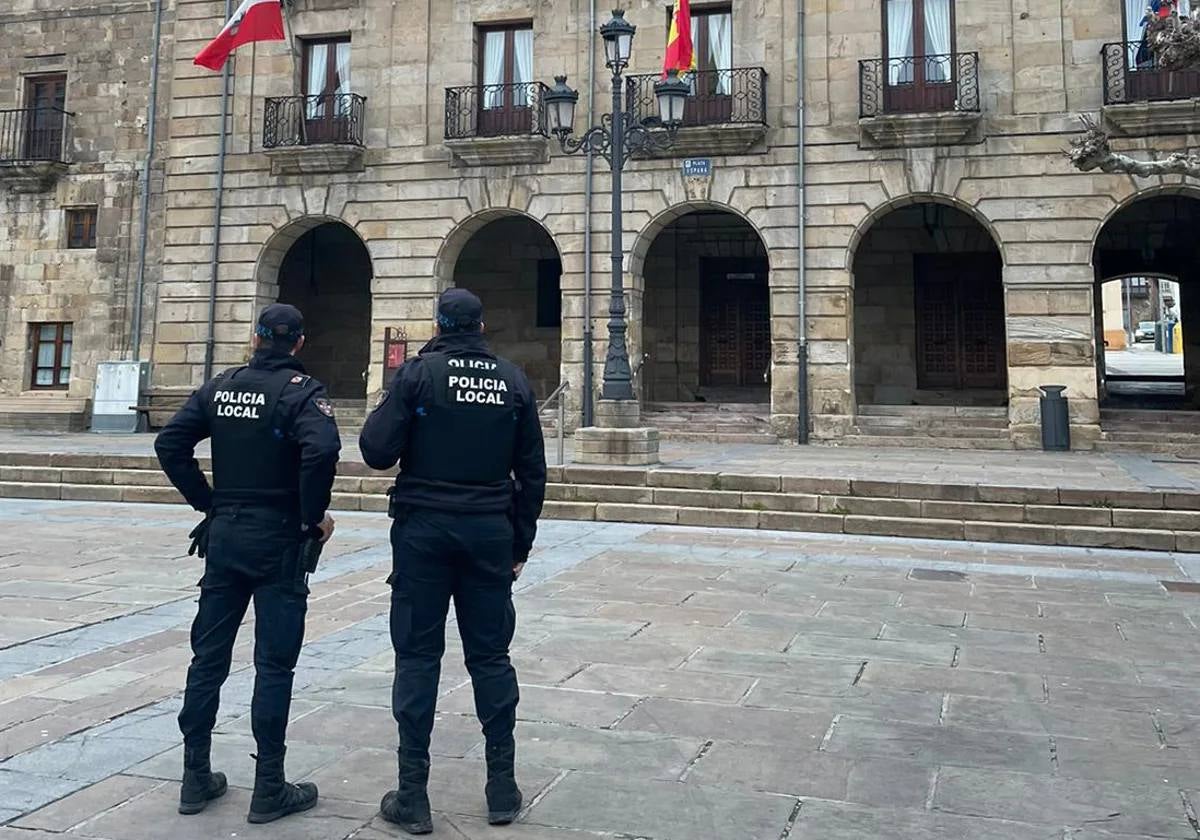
[(517, 569), (326, 526)]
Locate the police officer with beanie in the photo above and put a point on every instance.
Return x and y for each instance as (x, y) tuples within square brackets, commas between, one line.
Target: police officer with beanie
[(463, 424), (274, 453)]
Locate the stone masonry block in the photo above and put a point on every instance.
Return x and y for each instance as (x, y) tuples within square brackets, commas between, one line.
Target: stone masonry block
[(718, 518), (1007, 532), (817, 523), (887, 526), (650, 514)]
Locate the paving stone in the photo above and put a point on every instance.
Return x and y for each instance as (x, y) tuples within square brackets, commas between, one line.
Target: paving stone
[(1116, 761), (841, 821), (875, 650), (988, 684), (154, 817), (1134, 809), (87, 803), (662, 810), (1041, 718), (817, 671), (605, 751), (22, 791), (551, 705), (645, 682), (856, 700), (789, 731), (795, 772), (944, 745), (985, 659), (963, 637)]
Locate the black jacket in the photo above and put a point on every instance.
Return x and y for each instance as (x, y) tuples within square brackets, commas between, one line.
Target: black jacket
[(388, 431), (298, 416)]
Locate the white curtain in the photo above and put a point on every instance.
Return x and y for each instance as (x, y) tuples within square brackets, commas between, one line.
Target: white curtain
[(937, 40), (720, 47), (900, 41), (493, 70), (1135, 13), (318, 67), (343, 77), (523, 66)]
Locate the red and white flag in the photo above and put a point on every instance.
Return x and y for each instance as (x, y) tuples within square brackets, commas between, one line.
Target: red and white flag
[(254, 20)]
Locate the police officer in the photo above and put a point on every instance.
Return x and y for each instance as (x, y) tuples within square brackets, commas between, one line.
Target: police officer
[(274, 451), (463, 425)]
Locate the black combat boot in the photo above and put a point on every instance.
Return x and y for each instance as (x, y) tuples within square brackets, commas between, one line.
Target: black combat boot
[(200, 784), (275, 797), (408, 805), (503, 796)]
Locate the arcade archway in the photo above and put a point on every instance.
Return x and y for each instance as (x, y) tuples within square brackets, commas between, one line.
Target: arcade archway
[(326, 273)]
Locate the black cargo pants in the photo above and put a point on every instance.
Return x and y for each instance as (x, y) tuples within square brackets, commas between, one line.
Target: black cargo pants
[(435, 557), (253, 553)]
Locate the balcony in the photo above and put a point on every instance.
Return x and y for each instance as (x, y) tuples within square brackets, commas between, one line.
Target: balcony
[(314, 134), (930, 100), (1141, 98), (726, 113), (33, 147), (494, 125)]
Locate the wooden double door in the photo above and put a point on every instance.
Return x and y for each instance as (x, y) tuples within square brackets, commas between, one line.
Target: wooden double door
[(735, 334), (960, 322)]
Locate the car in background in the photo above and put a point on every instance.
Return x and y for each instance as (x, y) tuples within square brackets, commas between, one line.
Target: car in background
[(1144, 331)]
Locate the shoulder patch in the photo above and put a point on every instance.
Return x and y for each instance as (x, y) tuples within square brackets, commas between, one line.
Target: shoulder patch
[(300, 379), (324, 406), (382, 398)]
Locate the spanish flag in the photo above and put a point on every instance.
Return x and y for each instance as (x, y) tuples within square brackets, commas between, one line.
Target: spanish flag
[(681, 53)]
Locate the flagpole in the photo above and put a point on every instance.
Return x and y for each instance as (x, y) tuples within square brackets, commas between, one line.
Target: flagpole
[(291, 42), (210, 340)]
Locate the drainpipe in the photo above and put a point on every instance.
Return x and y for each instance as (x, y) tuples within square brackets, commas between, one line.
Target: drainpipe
[(802, 331), (588, 186), (140, 285), (210, 340)]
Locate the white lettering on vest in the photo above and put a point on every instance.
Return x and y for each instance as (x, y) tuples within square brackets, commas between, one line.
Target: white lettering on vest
[(241, 405), (477, 390), (241, 412)]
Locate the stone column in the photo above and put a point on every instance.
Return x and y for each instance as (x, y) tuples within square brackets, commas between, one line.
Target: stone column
[(1189, 313), (1051, 341)]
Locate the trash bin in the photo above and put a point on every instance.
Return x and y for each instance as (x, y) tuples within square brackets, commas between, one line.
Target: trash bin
[(1056, 425)]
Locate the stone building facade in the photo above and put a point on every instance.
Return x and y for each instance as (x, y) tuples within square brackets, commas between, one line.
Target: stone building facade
[(74, 89), (952, 258)]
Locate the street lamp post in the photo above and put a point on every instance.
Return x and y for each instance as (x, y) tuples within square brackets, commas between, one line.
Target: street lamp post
[(616, 142)]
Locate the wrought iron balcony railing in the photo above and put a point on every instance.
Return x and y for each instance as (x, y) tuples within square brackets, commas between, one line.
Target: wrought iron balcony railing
[(719, 97), (327, 119), (918, 84), (1132, 74), (35, 135), (496, 111)]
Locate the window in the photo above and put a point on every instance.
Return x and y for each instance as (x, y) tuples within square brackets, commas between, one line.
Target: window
[(45, 99), (549, 293), (507, 91), (918, 38), (326, 85), (713, 37), (1136, 15), (51, 356), (81, 227)]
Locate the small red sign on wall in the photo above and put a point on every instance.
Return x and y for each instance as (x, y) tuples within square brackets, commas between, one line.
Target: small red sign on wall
[(395, 351)]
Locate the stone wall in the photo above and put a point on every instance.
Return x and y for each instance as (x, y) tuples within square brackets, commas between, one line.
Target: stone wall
[(416, 205), (105, 53)]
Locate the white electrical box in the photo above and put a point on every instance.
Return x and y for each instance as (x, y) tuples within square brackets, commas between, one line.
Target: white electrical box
[(119, 386)]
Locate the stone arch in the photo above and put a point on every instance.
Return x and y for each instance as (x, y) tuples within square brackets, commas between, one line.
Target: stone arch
[(635, 261), (1164, 190), (928, 311), (330, 280), (883, 210), (513, 262)]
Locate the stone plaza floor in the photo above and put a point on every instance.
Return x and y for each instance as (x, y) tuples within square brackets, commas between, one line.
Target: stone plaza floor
[(677, 684)]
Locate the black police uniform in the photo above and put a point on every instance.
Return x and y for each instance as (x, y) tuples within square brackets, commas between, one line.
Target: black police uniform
[(274, 448), (463, 425)]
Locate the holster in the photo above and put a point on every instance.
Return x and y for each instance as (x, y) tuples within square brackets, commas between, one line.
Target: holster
[(396, 510)]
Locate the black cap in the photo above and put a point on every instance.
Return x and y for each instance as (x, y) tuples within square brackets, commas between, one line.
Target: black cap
[(281, 323), (459, 310)]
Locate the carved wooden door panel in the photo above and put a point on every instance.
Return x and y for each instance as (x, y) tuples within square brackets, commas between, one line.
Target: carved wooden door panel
[(735, 337), (960, 322)]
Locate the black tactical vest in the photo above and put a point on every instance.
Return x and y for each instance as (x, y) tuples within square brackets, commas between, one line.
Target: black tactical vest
[(467, 432), (253, 459)]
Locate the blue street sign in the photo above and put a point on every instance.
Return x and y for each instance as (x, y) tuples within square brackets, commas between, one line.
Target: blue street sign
[(697, 167)]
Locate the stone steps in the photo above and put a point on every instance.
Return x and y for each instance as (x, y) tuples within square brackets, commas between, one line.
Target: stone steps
[(711, 422), (925, 441), (43, 413), (1038, 515)]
